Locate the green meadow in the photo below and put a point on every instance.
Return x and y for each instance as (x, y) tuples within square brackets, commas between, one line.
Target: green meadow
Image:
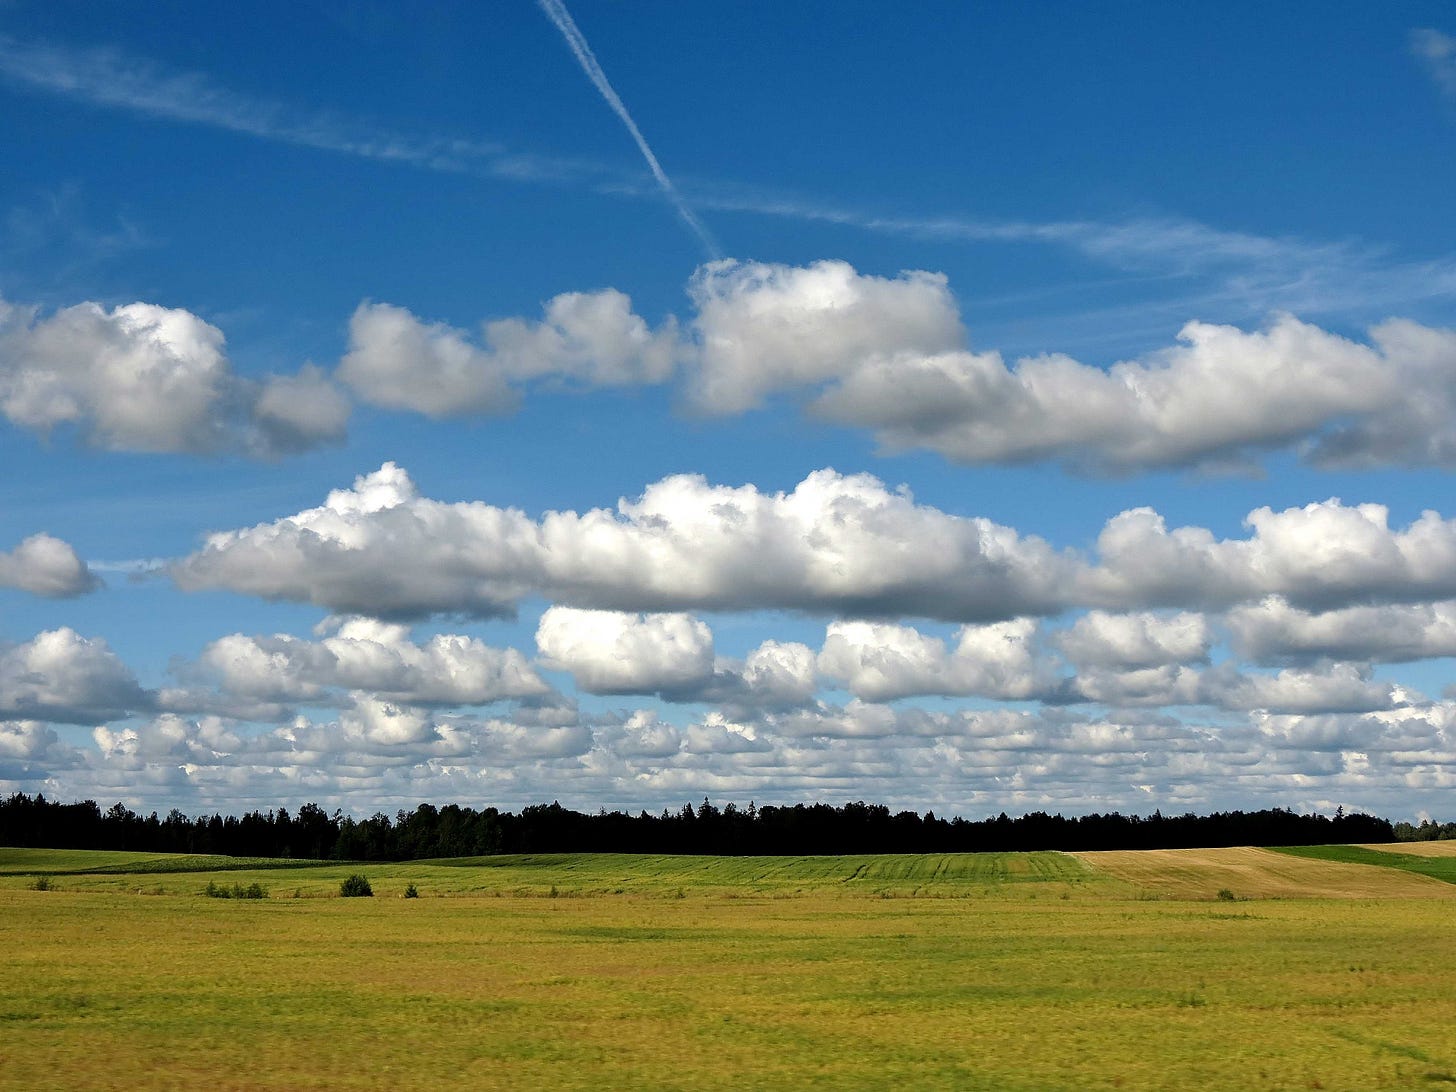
[(995, 971)]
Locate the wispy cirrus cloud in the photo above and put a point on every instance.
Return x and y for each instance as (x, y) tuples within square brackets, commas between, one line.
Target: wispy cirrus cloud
[(1210, 268), (1437, 53), (110, 78)]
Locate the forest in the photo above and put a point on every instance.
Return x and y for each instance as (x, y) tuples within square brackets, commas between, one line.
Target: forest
[(457, 831)]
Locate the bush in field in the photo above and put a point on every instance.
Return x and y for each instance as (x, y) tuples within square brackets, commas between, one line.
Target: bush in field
[(236, 891), (411, 891), (42, 883), (356, 887), (1225, 895)]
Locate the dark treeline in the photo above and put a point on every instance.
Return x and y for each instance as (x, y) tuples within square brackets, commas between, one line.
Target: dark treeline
[(455, 831)]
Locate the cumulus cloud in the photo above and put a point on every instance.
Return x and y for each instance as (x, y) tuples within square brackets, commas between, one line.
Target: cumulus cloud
[(140, 377), (967, 761), (296, 412), (591, 338), (1321, 555), (1100, 639), (890, 354), (46, 566), (364, 742), (61, 676), (672, 656), (778, 675), (1219, 394), (836, 543), (365, 655), (610, 652), (880, 661), (764, 328), (1337, 688), (1272, 630), (31, 752)]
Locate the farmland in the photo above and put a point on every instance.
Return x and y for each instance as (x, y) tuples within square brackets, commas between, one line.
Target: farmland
[(997, 971)]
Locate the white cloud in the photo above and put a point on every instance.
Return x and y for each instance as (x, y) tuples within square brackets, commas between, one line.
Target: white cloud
[(1437, 52), (107, 77), (146, 378), (764, 328), (1325, 555), (373, 658), (46, 566), (890, 355), (25, 741), (881, 661), (964, 761), (1140, 640), (610, 652), (779, 674), (296, 412), (1272, 630), (643, 735), (589, 338), (61, 676), (1338, 688), (836, 543), (398, 362), (1215, 398), (672, 656), (593, 338)]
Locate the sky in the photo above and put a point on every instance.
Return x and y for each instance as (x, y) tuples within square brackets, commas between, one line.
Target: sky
[(968, 408)]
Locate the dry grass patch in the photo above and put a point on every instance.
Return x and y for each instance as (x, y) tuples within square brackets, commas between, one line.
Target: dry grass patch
[(1003, 993), (1248, 872), (1417, 849)]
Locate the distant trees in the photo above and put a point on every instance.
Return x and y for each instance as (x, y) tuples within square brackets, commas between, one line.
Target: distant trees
[(458, 831), (1428, 831)]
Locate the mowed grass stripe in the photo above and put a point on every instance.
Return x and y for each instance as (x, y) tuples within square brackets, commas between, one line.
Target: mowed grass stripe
[(76, 862), (1445, 848), (1441, 868), (1247, 872), (568, 874)]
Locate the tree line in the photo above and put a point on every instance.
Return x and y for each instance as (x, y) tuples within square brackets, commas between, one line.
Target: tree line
[(456, 831)]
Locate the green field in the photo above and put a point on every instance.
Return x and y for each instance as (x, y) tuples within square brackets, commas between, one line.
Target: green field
[(999, 971), (1441, 868)]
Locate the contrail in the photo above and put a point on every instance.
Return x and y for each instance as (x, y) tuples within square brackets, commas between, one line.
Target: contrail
[(558, 14)]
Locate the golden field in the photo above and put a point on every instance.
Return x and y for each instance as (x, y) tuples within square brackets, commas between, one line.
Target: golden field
[(1000, 971)]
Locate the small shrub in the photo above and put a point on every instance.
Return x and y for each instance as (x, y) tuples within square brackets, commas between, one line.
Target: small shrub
[(411, 891), (1225, 895), (42, 883), (236, 891), (356, 887)]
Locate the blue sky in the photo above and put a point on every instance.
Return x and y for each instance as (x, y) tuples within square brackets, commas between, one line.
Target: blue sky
[(380, 427)]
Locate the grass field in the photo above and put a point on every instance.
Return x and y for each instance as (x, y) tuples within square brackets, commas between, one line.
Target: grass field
[(1439, 867), (1246, 872), (1008, 971)]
